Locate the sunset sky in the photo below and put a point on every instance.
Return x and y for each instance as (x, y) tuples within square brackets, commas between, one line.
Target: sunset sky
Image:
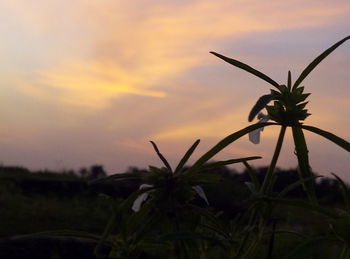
[(92, 82)]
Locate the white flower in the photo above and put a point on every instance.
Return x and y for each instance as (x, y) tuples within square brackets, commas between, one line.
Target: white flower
[(141, 198), (254, 136), (199, 190)]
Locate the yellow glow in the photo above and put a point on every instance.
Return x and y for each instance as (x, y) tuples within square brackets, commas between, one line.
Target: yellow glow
[(125, 49)]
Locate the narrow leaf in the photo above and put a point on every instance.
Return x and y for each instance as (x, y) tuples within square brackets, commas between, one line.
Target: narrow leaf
[(225, 142), (118, 177), (260, 104), (187, 235), (165, 162), (253, 175), (345, 191), (272, 240), (305, 205), (107, 231), (247, 68), (303, 162), (309, 248), (302, 105), (202, 178), (138, 219), (330, 136), (187, 156), (199, 190), (295, 185), (229, 162), (62, 233), (317, 60), (289, 83)]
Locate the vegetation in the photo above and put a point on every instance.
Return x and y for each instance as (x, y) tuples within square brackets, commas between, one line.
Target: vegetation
[(206, 211)]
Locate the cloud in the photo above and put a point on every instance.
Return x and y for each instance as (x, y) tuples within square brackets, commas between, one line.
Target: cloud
[(112, 75), (95, 51)]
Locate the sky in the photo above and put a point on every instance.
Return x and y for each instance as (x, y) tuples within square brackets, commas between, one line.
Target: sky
[(92, 82)]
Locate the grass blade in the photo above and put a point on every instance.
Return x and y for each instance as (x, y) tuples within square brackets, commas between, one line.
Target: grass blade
[(317, 60), (295, 185), (289, 83), (272, 239), (106, 233), (330, 136), (116, 177), (225, 142), (62, 233), (187, 156), (303, 162), (165, 162), (229, 162), (308, 248), (247, 68), (305, 205), (345, 191), (253, 175)]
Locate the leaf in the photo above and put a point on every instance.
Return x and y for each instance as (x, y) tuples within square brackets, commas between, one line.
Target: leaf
[(301, 97), (291, 232), (289, 83), (199, 190), (251, 187), (165, 162), (272, 240), (345, 191), (137, 220), (260, 104), (296, 185), (307, 249), (330, 136), (302, 105), (247, 68), (187, 235), (62, 233), (229, 162), (107, 231), (202, 178), (305, 205), (120, 177), (317, 60), (225, 142), (187, 156), (253, 175), (303, 162)]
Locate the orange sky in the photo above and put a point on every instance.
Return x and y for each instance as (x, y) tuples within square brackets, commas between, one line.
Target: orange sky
[(85, 83)]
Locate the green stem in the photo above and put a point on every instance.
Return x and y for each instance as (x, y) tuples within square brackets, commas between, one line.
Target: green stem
[(272, 239), (267, 181), (344, 252)]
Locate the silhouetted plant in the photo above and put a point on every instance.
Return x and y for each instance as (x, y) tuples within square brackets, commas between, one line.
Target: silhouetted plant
[(160, 220)]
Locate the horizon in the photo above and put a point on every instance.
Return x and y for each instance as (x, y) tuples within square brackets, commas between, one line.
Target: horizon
[(96, 83)]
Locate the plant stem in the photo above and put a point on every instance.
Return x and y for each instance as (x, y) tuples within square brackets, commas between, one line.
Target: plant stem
[(272, 239), (344, 252), (267, 180)]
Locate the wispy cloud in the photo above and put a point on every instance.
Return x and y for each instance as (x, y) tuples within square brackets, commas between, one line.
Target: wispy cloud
[(109, 48), (126, 72)]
